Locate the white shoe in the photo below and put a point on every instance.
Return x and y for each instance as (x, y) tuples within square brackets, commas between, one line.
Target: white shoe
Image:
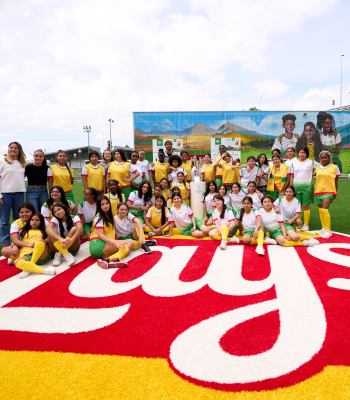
[(69, 259), (57, 259), (260, 250), (234, 239), (321, 231), (223, 244), (268, 240), (50, 271), (24, 274), (326, 234), (304, 228), (311, 242)]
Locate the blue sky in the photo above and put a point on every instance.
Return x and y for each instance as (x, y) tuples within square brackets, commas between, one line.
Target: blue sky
[(67, 64)]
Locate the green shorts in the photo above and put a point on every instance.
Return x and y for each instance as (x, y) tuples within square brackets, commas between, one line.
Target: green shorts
[(127, 237), (304, 193), (249, 232), (70, 196), (87, 227), (138, 214), (319, 198), (289, 227), (126, 192), (39, 262), (274, 194), (218, 181), (188, 230), (96, 247), (276, 233)]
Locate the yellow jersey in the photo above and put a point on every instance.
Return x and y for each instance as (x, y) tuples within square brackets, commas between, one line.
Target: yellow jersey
[(187, 166), (161, 170), (208, 172), (325, 179), (32, 236), (119, 171), (184, 188), (230, 173), (61, 177), (155, 216), (277, 178), (95, 175), (218, 169), (114, 200), (98, 225)]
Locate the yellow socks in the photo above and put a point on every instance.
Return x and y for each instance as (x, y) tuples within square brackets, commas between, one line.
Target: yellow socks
[(306, 217), (29, 266), (260, 240), (216, 236), (59, 246), (38, 250), (224, 232), (120, 254), (290, 243), (325, 218)]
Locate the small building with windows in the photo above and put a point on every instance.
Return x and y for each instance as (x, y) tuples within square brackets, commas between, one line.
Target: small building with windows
[(76, 156)]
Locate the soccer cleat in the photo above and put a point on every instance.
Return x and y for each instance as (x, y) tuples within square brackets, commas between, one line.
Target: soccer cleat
[(234, 239), (145, 248), (102, 263), (311, 242), (260, 250), (57, 259), (304, 228), (151, 242), (326, 234), (69, 259), (50, 271), (223, 244), (24, 274), (268, 240)]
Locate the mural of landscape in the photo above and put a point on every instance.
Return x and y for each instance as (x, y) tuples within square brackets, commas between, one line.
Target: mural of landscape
[(256, 129)]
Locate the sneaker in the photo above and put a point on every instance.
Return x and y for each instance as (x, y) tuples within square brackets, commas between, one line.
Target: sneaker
[(117, 264), (145, 248), (326, 234), (268, 240), (321, 231), (234, 239), (223, 244), (57, 259), (10, 261), (151, 234), (260, 250), (69, 259), (102, 263), (311, 242), (304, 228), (152, 242), (50, 271), (24, 274)]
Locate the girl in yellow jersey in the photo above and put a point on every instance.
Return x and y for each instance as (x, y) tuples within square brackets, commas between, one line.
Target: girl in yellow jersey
[(183, 186), (93, 174), (326, 187), (35, 251), (103, 244), (278, 178), (25, 212), (119, 170), (60, 174), (165, 188), (160, 169), (207, 169), (156, 220), (229, 170), (186, 165), (114, 195)]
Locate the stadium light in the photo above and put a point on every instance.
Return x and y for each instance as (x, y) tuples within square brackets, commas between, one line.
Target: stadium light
[(110, 133), (87, 129)]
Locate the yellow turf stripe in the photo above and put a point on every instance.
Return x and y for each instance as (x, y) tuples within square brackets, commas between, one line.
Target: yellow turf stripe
[(48, 375)]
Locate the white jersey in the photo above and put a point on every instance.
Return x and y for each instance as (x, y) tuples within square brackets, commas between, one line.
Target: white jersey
[(173, 175), (181, 216), (256, 197), (248, 175), (249, 220), (270, 219), (288, 209), (55, 222), (264, 169), (302, 171), (330, 140), (283, 143), (227, 200), (228, 216), (208, 200), (46, 213), (123, 226), (236, 200), (88, 210), (134, 168), (145, 168), (135, 199)]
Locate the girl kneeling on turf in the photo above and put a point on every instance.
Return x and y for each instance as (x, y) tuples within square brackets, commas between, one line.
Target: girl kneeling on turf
[(250, 223), (224, 221), (34, 250), (156, 220), (103, 244), (182, 217), (274, 225), (64, 233)]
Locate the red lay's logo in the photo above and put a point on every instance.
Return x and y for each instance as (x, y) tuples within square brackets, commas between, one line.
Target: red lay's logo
[(223, 319)]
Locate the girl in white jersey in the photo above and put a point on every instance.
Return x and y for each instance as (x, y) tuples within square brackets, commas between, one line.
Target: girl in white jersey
[(224, 222), (236, 197), (274, 225), (290, 209), (208, 197), (222, 189), (301, 170), (254, 194), (249, 172)]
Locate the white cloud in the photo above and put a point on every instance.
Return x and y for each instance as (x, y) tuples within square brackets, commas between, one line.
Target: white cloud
[(270, 88)]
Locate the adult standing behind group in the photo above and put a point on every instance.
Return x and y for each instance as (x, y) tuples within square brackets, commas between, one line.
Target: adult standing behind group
[(36, 174), (12, 188)]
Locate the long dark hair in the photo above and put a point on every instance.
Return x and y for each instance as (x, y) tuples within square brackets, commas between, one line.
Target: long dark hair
[(66, 165), (163, 220), (258, 160), (241, 213), (106, 217), (69, 220), (207, 190), (147, 197), (27, 227), (63, 199), (224, 206), (94, 193), (122, 154), (302, 141), (28, 206)]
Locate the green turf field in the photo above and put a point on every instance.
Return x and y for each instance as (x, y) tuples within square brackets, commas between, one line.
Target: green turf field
[(339, 209)]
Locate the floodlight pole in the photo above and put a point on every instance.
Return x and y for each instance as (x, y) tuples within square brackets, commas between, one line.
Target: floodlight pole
[(110, 133), (87, 129)]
